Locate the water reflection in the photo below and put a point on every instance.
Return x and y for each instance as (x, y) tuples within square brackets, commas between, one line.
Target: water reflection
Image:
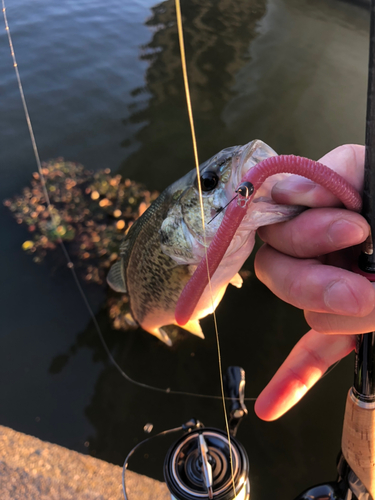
[(217, 38), (303, 90)]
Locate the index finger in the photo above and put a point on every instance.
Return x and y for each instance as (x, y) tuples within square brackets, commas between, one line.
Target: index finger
[(304, 366), (347, 160)]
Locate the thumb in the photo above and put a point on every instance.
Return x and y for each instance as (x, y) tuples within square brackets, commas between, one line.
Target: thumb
[(347, 160)]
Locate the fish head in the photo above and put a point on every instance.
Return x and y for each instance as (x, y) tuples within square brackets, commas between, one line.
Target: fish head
[(182, 235)]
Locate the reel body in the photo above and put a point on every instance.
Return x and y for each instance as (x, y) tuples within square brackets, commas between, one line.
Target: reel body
[(198, 466)]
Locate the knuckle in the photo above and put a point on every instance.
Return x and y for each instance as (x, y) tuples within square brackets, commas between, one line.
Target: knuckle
[(318, 361), (296, 243), (297, 376), (322, 322), (259, 263), (293, 290), (301, 287)]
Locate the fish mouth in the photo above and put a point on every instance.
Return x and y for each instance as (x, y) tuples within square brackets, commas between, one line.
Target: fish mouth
[(252, 153), (264, 210), (246, 157)]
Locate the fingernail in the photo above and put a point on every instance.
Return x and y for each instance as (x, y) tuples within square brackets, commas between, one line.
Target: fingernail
[(294, 185), (344, 233), (340, 298)]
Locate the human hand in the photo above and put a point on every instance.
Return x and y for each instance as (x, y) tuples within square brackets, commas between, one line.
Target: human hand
[(306, 263)]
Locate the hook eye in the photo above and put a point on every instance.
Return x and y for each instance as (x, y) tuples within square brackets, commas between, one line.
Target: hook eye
[(245, 189)]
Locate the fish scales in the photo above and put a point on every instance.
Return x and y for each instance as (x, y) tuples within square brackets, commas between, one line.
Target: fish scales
[(155, 281), (163, 247)]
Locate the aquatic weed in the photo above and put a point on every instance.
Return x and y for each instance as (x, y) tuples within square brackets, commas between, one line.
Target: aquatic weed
[(91, 212)]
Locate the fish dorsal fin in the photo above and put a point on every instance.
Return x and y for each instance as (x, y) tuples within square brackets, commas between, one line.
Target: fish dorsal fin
[(115, 278)]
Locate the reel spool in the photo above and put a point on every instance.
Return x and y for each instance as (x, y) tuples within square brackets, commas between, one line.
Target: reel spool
[(198, 466)]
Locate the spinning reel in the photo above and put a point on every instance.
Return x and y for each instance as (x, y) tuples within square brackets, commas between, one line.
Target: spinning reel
[(205, 463)]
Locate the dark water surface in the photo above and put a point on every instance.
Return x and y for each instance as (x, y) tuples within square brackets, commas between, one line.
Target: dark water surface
[(104, 87)]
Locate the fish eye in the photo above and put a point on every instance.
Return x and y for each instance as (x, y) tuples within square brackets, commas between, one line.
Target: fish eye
[(209, 180)]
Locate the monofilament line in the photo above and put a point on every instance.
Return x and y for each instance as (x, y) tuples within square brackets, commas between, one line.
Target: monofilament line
[(125, 465), (69, 262), (46, 196), (191, 120)]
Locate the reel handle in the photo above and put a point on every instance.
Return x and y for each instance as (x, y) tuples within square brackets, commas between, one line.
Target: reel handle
[(234, 386)]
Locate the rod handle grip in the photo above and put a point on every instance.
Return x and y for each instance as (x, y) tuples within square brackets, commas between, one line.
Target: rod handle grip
[(358, 441)]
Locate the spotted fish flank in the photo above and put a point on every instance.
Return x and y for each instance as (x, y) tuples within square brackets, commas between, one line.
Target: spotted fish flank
[(164, 246)]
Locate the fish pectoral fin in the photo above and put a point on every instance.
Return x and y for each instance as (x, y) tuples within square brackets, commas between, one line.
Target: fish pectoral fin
[(192, 268), (161, 334), (236, 281), (115, 279), (194, 327)]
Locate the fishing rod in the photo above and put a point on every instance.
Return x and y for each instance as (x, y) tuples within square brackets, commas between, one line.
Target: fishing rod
[(358, 438), (356, 464)]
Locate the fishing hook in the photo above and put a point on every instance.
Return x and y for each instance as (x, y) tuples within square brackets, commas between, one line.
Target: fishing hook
[(245, 189)]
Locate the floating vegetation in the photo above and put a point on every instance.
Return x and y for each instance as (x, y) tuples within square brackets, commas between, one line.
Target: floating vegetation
[(91, 212)]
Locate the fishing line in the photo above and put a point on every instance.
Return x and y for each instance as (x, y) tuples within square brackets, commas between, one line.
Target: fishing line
[(329, 370), (243, 190), (221, 209), (70, 264), (125, 466), (190, 112)]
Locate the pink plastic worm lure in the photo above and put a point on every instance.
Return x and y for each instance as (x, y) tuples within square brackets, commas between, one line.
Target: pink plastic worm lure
[(234, 214)]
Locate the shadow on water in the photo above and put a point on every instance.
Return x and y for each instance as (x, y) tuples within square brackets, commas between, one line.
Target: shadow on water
[(290, 72), (217, 38)]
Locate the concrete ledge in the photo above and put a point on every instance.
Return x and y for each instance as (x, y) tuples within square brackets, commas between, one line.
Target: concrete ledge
[(31, 469)]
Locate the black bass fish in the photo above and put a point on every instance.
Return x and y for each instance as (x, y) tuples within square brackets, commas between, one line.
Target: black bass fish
[(163, 247)]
